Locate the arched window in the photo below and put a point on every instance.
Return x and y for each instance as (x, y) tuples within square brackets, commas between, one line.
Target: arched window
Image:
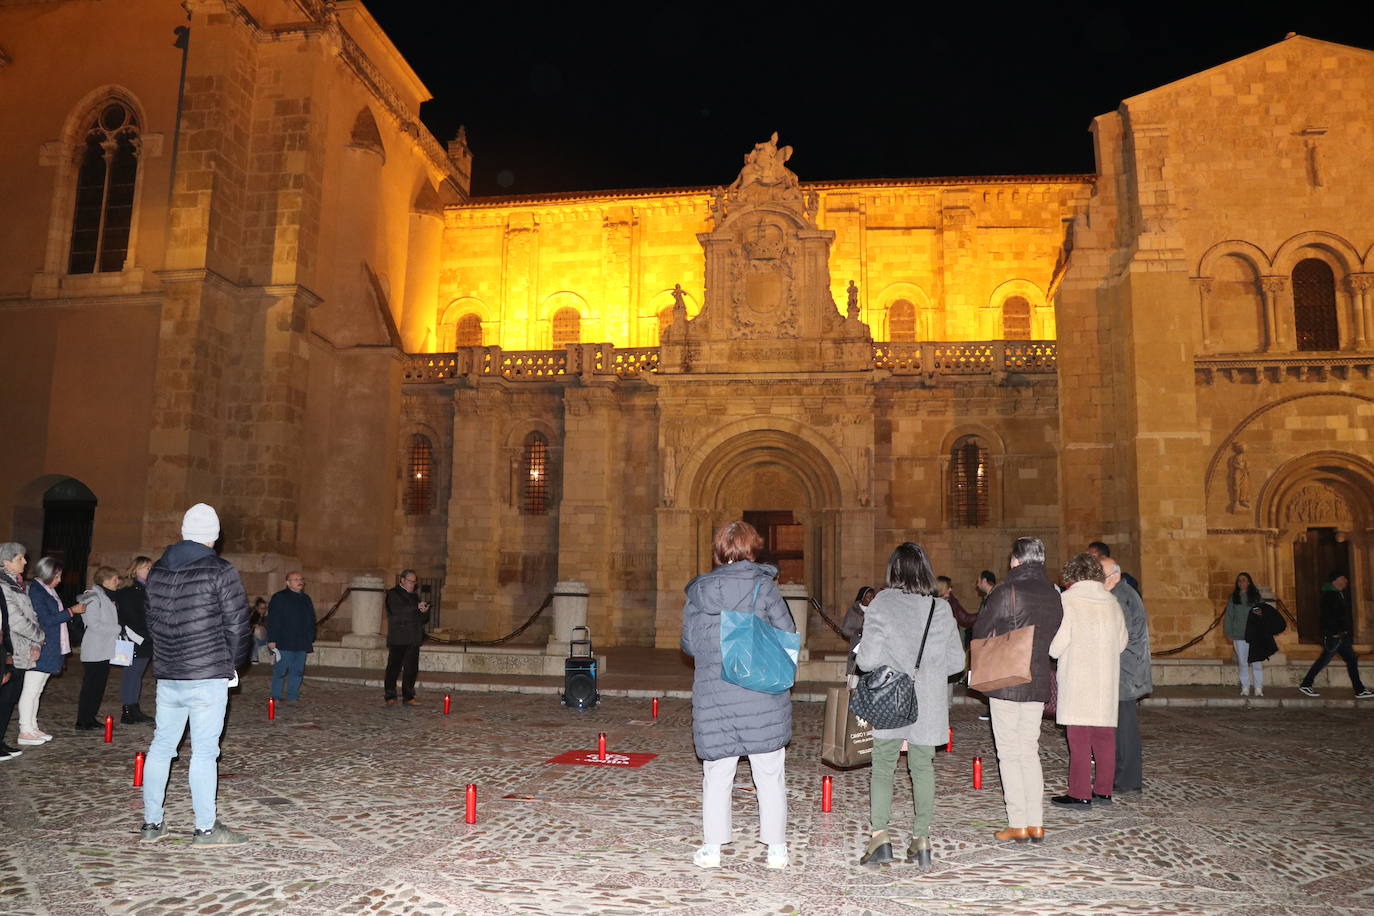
[(901, 322), (969, 475), (469, 331), (567, 328), (420, 476), (1314, 306), (536, 474), (105, 183), (1016, 319)]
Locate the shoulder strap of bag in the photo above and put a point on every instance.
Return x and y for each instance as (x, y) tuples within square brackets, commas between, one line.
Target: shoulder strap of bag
[(921, 654)]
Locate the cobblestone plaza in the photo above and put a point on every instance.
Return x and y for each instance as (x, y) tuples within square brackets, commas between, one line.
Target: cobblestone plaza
[(357, 808)]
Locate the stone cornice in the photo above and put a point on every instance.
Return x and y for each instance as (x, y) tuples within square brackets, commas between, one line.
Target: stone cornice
[(1257, 368)]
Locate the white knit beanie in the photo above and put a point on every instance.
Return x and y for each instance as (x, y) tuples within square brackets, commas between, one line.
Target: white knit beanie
[(200, 524)]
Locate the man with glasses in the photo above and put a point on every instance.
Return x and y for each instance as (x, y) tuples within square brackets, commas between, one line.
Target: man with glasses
[(406, 616)]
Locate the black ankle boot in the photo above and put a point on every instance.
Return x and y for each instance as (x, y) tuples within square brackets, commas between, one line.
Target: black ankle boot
[(127, 716)]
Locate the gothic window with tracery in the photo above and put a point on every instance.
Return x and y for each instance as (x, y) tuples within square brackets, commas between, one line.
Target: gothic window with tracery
[(1314, 305), (420, 483), (536, 474), (969, 483), (901, 322), (567, 327), (469, 331), (1016, 318), (105, 182)]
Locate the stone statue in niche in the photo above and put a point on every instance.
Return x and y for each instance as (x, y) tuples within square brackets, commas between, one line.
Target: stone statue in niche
[(1238, 478), (853, 292)]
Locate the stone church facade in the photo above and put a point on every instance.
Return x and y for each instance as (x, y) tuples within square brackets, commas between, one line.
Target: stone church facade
[(240, 270)]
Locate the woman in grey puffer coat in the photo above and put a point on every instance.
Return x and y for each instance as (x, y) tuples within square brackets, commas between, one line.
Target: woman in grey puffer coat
[(729, 721), (894, 627)]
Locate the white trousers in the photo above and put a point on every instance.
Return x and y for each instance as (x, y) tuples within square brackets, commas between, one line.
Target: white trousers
[(1247, 666), (1016, 729), (34, 682), (770, 787)]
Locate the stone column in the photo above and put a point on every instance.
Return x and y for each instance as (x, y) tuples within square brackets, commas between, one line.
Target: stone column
[(1272, 287), (798, 603), (1360, 286), (1204, 289), (569, 610), (366, 603)]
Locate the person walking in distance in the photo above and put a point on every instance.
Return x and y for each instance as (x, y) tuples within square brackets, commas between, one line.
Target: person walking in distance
[(290, 635), (1337, 638), (198, 616), (1136, 682), (1025, 598), (406, 616)]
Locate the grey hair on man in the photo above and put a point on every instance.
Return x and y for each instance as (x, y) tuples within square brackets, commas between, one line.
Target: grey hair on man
[(11, 549), (1027, 550)]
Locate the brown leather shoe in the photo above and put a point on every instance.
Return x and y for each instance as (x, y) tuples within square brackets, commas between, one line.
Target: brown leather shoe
[(1019, 834), (1036, 834)]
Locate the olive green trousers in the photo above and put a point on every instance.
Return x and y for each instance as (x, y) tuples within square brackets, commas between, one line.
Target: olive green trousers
[(921, 769)]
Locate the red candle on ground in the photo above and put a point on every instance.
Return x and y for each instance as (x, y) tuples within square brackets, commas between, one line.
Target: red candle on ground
[(271, 708), (601, 746), (109, 729), (826, 790), (470, 815), (448, 702), (655, 707), (978, 772), (138, 768), (949, 748)]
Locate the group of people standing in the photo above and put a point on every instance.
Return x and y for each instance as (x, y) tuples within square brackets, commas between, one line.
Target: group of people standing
[(1096, 629), (39, 632)]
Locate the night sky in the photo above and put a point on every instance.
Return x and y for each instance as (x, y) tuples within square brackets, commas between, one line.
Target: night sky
[(572, 97)]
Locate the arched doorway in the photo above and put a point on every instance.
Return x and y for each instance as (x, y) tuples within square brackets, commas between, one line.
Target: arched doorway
[(1321, 508), (54, 515)]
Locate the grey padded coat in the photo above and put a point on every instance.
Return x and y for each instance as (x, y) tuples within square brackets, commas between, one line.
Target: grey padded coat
[(727, 720)]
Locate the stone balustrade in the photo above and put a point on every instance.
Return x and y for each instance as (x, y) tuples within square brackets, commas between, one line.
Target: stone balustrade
[(931, 359), (1255, 368)]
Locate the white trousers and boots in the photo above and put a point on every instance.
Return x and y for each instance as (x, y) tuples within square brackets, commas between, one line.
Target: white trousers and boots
[(1016, 729), (718, 782)]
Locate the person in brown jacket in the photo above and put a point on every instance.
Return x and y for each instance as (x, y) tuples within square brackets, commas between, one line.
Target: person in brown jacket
[(1025, 598)]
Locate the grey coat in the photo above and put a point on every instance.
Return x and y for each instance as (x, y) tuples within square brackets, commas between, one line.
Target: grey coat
[(893, 626), (1137, 678), (727, 720), (25, 630), (102, 625)]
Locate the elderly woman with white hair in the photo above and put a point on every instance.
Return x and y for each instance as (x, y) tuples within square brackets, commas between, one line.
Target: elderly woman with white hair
[(53, 616), (22, 632)]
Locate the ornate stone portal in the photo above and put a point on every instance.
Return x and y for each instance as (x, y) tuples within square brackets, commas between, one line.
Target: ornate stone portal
[(768, 302)]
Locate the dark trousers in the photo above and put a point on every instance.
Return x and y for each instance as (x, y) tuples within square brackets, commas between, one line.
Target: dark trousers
[(404, 660), (93, 678), (1127, 747), (1089, 744), (9, 698), (1331, 646), (131, 681)]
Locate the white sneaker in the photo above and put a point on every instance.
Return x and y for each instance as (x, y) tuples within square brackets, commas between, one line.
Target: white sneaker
[(1308, 691), (777, 855), (707, 856), (1259, 691), (32, 739), (1245, 691)]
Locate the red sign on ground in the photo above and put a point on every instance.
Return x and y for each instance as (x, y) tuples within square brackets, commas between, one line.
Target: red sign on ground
[(589, 758)]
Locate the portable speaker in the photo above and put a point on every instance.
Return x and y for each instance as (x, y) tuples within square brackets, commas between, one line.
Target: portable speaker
[(579, 683)]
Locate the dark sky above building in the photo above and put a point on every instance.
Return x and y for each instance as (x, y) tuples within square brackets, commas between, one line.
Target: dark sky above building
[(574, 97)]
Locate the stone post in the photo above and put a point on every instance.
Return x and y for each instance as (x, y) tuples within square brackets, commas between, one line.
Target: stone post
[(366, 603), (569, 610), (798, 603), (1272, 288)]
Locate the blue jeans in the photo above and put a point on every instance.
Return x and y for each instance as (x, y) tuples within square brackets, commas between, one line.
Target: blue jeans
[(202, 703), (291, 668)]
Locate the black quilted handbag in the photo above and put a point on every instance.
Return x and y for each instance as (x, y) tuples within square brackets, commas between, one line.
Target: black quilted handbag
[(886, 697)]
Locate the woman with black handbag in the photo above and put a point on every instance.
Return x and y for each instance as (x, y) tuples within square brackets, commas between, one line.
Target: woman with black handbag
[(911, 632)]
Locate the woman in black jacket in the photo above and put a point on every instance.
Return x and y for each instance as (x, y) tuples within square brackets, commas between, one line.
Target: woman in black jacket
[(131, 602)]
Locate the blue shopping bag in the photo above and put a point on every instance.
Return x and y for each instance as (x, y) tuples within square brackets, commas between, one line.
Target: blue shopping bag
[(754, 654)]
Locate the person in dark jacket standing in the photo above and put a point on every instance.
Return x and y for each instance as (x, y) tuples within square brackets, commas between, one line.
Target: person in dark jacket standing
[(291, 634), (1137, 679), (131, 602), (198, 616), (406, 616), (1025, 598), (729, 721), (1337, 638)]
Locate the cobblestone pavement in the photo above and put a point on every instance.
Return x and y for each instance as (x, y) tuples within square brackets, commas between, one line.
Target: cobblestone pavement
[(357, 808)]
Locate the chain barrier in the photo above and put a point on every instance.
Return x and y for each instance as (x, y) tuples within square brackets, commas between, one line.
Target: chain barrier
[(548, 600)]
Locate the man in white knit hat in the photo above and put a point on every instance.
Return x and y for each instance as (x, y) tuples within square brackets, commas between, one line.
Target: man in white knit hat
[(198, 618)]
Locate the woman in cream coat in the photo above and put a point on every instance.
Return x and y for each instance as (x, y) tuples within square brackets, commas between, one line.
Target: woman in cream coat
[(1088, 646)]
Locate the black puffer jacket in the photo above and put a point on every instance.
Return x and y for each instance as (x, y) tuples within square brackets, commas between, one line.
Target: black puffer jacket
[(197, 614), (1023, 598)]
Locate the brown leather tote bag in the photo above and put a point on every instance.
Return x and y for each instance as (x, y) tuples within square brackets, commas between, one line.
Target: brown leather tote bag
[(1003, 659)]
